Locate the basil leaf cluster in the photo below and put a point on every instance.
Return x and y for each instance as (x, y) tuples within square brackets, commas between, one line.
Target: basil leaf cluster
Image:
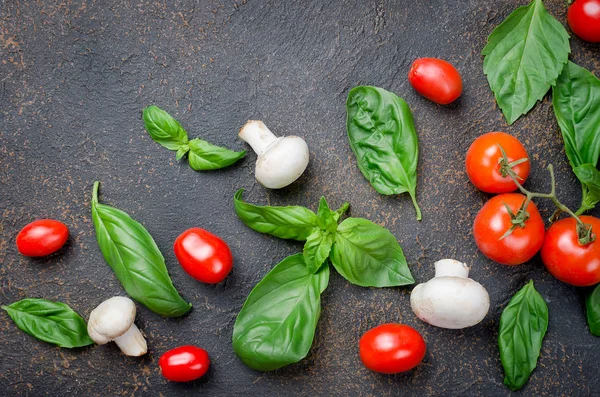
[(202, 156), (276, 325), (133, 255), (52, 322)]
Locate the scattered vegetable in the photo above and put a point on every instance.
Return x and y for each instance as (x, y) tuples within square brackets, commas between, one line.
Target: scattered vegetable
[(383, 138), (203, 255), (436, 79), (202, 155), (592, 304), (523, 325), (523, 58), (391, 348), (136, 260), (280, 160), (184, 363), (584, 19), (52, 322), (42, 237), (450, 299)]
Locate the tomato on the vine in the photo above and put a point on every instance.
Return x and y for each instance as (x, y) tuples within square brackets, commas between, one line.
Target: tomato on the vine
[(435, 79), (203, 255), (567, 259), (584, 19), (184, 363), (483, 162), (391, 348), (42, 237), (493, 221)]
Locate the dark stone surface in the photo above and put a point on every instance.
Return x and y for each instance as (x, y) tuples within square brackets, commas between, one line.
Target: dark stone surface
[(74, 77)]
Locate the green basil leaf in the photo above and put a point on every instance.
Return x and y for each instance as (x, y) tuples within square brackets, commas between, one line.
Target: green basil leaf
[(52, 322), (163, 128), (136, 260), (291, 222), (383, 138), (326, 217), (317, 248), (340, 211), (592, 305), (589, 176), (523, 58), (368, 255), (205, 156), (277, 323), (523, 325)]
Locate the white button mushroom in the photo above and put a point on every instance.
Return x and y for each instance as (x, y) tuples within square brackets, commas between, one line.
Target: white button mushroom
[(280, 160), (113, 320), (450, 299)]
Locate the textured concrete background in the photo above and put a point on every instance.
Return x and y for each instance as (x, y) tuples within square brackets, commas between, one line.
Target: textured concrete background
[(74, 77)]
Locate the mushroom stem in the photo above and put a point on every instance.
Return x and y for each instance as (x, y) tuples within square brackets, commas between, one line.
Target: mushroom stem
[(451, 268), (132, 342), (257, 135)]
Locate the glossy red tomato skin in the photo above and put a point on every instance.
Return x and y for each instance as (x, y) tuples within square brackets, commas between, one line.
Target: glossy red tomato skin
[(436, 79), (482, 162), (391, 348), (203, 255), (584, 19), (566, 259), (42, 237), (493, 220), (184, 363)]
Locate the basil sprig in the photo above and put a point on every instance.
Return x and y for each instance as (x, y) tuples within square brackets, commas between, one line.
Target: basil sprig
[(523, 58), (523, 325), (383, 138), (592, 304), (131, 252), (202, 156), (52, 322)]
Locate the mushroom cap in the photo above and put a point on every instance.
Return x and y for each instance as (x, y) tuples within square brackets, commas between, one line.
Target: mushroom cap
[(282, 163), (111, 319)]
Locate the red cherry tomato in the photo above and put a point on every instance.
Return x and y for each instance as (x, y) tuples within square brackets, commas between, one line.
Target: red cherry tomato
[(482, 162), (391, 348), (493, 220), (566, 259), (42, 237), (203, 255), (184, 363), (435, 79), (584, 19)]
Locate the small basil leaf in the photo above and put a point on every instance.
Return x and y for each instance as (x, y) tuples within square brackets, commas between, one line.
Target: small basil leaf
[(317, 248), (589, 176), (163, 128), (523, 325), (205, 156), (341, 211), (52, 322), (383, 138), (291, 222), (592, 304), (368, 255), (523, 58), (182, 151), (277, 323), (137, 262), (326, 217)]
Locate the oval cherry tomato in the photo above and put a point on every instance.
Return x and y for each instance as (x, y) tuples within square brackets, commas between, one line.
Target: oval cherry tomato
[(184, 363), (482, 162), (566, 259), (391, 348), (203, 255), (584, 19), (435, 79), (492, 222), (42, 237)]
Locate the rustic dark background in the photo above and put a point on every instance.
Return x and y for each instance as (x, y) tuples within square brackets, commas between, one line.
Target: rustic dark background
[(74, 77)]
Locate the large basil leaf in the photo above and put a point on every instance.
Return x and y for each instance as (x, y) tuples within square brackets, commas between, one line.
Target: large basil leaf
[(589, 176), (291, 222), (277, 323), (523, 325), (52, 322), (136, 260), (163, 128), (592, 304), (383, 138), (205, 156), (317, 248), (523, 58), (368, 255)]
